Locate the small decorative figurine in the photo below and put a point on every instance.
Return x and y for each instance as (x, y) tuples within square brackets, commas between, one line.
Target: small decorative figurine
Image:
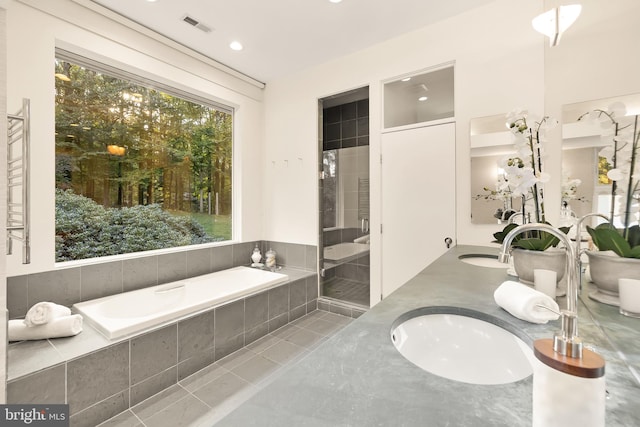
[(256, 257)]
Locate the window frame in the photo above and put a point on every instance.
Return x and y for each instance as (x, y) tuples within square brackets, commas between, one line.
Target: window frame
[(156, 82)]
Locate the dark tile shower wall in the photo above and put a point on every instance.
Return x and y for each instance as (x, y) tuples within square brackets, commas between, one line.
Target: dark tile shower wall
[(346, 125), (67, 286)]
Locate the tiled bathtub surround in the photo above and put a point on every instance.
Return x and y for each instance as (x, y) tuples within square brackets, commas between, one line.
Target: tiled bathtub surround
[(67, 286), (111, 379)]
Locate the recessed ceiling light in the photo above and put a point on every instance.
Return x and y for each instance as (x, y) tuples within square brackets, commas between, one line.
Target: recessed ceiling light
[(335, 1), (423, 98), (151, 1), (406, 79), (235, 45)]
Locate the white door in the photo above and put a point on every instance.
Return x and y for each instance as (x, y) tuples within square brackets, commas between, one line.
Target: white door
[(418, 200)]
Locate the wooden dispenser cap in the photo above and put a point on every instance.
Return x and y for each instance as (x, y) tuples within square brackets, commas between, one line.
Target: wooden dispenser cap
[(591, 365)]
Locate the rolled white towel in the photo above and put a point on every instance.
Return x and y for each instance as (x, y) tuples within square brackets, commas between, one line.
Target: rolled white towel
[(45, 312), (66, 326), (521, 301)]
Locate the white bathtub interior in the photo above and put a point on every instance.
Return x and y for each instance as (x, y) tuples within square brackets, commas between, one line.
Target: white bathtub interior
[(120, 315), (343, 252)]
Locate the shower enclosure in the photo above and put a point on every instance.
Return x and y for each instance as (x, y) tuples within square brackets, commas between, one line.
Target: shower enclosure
[(344, 198)]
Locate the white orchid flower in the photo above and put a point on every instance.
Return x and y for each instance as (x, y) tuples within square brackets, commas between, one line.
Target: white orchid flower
[(615, 174), (543, 177), (617, 109)]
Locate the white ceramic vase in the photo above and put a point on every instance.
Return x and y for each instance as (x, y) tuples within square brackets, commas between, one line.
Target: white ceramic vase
[(525, 261), (605, 269)]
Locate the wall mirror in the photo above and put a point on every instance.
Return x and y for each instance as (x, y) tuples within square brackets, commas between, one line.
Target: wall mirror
[(490, 141), (582, 140)]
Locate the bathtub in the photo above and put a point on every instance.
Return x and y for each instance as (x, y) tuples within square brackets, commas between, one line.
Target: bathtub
[(344, 252), (124, 314)]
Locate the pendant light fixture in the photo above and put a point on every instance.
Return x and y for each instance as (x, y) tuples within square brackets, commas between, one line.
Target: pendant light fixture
[(554, 22)]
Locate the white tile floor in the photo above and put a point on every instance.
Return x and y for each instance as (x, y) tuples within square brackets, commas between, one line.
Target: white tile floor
[(208, 395)]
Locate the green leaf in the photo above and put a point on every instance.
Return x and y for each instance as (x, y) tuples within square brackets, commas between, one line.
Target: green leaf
[(548, 240), (536, 240), (533, 244), (609, 239), (595, 232), (635, 252), (500, 235), (633, 236)]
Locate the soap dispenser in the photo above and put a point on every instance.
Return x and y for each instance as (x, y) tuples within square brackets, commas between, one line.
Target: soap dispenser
[(256, 257), (568, 381)]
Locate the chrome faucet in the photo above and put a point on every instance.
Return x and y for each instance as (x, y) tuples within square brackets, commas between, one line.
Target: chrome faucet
[(578, 242), (514, 216), (507, 214), (565, 341)]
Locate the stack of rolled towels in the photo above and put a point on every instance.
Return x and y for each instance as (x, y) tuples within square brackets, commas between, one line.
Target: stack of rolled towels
[(45, 320), (526, 303)]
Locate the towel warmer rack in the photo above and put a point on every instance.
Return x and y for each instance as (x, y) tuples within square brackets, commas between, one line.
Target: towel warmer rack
[(18, 140)]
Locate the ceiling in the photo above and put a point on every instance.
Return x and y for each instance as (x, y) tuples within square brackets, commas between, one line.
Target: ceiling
[(281, 37)]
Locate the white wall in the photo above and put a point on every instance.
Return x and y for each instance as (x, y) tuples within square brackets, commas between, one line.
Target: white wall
[(499, 66), (597, 58), (33, 35)]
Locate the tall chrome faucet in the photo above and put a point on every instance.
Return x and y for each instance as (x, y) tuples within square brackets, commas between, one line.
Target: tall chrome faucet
[(513, 217), (565, 341), (578, 242)]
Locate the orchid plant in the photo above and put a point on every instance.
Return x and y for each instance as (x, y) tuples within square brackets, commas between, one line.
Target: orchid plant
[(623, 135), (569, 189), (524, 176), (524, 173)]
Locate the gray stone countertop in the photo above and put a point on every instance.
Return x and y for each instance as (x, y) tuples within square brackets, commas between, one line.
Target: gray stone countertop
[(358, 378)]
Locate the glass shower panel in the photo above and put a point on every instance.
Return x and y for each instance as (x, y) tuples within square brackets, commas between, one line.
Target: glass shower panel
[(345, 203)]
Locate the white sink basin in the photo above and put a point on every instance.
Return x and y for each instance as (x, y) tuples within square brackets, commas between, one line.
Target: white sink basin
[(482, 260), (463, 349)]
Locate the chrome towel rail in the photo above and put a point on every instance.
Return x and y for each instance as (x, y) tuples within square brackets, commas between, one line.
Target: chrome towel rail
[(18, 139)]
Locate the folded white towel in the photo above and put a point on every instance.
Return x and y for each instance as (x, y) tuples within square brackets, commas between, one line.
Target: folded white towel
[(65, 326), (44, 312), (521, 300)]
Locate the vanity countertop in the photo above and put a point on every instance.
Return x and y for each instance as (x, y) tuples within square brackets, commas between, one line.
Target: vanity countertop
[(358, 378)]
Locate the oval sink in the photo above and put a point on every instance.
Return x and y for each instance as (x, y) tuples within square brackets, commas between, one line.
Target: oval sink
[(483, 260), (463, 348)]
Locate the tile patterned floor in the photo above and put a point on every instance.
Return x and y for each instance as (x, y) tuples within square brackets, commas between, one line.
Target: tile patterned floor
[(208, 395), (346, 290)]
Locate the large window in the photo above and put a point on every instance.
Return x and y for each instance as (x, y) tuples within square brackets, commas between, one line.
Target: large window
[(139, 166)]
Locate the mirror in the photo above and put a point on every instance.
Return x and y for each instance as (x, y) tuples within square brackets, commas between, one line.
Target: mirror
[(581, 143), (490, 141), (585, 187)]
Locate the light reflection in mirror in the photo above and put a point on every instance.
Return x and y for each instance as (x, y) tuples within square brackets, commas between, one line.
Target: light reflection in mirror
[(490, 141), (582, 141)]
